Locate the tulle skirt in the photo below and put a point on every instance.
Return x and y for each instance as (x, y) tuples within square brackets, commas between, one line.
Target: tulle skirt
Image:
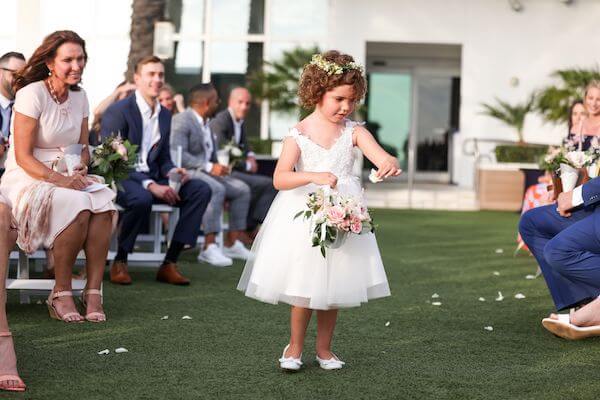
[(285, 267)]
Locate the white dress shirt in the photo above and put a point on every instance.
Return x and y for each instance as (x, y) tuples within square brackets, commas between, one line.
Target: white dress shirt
[(150, 133), (208, 141)]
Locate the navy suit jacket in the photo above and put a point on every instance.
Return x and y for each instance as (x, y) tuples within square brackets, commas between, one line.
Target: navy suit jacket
[(124, 116)]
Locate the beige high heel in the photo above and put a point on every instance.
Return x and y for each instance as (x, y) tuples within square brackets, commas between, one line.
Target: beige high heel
[(95, 316), (10, 377), (52, 310)]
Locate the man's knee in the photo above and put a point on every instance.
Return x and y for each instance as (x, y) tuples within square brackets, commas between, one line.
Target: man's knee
[(140, 202), (527, 222), (557, 255)]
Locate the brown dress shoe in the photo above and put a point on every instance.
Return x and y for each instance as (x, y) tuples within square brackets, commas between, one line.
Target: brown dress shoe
[(169, 273), (119, 274)]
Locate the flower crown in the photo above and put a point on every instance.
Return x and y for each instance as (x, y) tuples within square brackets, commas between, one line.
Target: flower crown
[(332, 68)]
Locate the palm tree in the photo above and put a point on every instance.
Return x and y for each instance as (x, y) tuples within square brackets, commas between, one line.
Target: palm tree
[(145, 14), (511, 115), (553, 102), (278, 82)]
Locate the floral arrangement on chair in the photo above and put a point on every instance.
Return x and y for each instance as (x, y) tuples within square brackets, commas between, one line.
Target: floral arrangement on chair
[(570, 165)]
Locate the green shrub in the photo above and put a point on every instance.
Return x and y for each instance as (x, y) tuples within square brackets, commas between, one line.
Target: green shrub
[(260, 146), (520, 154)]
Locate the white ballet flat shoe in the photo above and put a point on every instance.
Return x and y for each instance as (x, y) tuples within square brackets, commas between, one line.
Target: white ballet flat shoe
[(333, 363), (289, 363)]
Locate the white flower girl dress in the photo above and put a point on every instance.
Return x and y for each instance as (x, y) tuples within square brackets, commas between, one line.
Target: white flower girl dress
[(285, 267)]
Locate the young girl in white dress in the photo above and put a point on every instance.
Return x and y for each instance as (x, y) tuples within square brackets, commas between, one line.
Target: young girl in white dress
[(318, 152)]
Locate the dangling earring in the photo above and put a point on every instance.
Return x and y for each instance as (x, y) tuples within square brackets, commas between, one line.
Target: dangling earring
[(49, 73)]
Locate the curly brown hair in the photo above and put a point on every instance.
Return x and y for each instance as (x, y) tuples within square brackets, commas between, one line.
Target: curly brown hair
[(36, 68), (315, 82)]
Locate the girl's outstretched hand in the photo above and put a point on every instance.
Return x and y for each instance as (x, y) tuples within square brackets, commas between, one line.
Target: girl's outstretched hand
[(325, 178), (390, 167)]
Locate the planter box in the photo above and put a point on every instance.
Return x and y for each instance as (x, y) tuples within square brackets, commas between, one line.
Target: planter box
[(500, 188)]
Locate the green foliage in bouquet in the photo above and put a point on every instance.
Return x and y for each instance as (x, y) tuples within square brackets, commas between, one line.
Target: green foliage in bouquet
[(113, 160)]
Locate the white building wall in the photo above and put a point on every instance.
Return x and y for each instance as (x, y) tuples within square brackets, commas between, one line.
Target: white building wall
[(498, 44), (103, 24)]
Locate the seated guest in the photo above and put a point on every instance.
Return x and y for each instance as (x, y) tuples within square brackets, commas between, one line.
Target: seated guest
[(52, 208), (564, 240), (192, 132), (9, 64), (537, 195), (142, 121), (123, 90), (9, 377), (170, 100), (228, 125)]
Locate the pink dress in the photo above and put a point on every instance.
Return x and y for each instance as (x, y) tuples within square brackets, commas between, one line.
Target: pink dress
[(58, 126)]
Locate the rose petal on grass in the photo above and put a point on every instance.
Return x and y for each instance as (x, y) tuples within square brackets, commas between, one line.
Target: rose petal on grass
[(121, 350), (488, 328), (436, 303), (165, 317), (519, 296), (435, 296), (481, 299), (387, 323), (500, 297), (499, 251), (104, 352), (529, 276), (186, 317)]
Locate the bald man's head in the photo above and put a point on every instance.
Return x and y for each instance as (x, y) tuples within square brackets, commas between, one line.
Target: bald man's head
[(239, 102)]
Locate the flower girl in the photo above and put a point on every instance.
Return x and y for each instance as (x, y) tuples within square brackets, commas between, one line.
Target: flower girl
[(287, 264)]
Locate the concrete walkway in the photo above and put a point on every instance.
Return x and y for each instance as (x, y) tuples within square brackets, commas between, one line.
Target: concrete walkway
[(431, 196)]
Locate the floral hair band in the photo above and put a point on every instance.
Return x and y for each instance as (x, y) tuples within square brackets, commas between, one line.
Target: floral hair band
[(332, 68)]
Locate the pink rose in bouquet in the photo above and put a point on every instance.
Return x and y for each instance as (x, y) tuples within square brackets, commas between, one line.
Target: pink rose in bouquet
[(336, 215), (356, 225)]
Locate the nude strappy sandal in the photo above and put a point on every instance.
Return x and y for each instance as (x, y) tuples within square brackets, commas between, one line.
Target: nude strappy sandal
[(563, 328), (52, 310), (93, 316), (10, 377)]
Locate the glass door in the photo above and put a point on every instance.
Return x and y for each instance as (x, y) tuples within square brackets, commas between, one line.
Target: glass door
[(413, 113), (389, 112), (436, 117)]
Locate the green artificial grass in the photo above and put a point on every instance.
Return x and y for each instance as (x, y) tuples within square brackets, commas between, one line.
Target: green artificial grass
[(230, 348)]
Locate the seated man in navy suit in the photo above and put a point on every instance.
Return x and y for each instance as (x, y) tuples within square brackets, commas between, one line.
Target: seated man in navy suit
[(140, 119), (565, 239)]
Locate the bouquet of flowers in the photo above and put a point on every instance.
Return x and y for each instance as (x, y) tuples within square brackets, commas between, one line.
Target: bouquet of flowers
[(552, 159), (333, 216), (230, 154), (114, 159)]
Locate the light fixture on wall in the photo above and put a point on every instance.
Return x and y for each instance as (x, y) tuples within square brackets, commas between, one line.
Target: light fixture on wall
[(164, 39), (516, 5)]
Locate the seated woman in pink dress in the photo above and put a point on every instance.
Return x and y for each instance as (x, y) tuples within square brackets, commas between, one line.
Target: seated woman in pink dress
[(9, 377), (53, 209)]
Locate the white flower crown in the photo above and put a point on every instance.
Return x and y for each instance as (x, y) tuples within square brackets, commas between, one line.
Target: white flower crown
[(332, 68)]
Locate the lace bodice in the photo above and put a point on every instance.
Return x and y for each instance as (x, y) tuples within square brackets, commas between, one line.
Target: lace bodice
[(338, 159)]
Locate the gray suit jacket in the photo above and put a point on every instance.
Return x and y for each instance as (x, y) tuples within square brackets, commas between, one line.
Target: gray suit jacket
[(187, 133), (222, 127)]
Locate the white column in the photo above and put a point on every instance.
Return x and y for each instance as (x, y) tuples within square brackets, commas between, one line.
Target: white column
[(28, 23)]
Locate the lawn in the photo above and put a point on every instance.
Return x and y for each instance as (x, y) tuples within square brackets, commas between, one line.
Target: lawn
[(229, 348)]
